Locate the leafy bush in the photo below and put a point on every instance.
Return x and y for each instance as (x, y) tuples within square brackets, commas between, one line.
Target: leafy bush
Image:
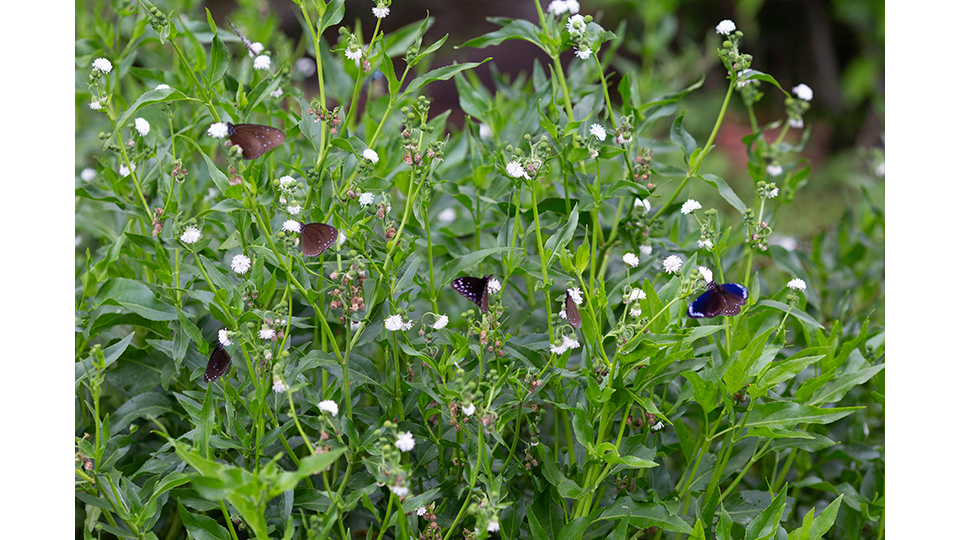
[(230, 382)]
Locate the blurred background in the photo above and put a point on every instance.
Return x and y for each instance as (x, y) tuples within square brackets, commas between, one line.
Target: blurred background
[(835, 47)]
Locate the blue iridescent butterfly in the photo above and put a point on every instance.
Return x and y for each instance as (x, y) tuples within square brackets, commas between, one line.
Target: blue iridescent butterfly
[(724, 299)]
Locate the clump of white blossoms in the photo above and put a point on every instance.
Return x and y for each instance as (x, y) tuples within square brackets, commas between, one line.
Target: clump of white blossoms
[(493, 526), (631, 260), (329, 406), (576, 25), (726, 27), (672, 264), (441, 322), (566, 344), (797, 284), (102, 65), (469, 410), (142, 126), (803, 92), (583, 54), (261, 62), (516, 170), (124, 171), (774, 170), (366, 199), (706, 273), (642, 203), (218, 130), (267, 333), (597, 131), (636, 294), (286, 183), (447, 215), (240, 264), (646, 250), (291, 225), (371, 155), (162, 86), (493, 286), (88, 174), (394, 323), (559, 7), (190, 235), (404, 442), (223, 336), (705, 244), (576, 295), (690, 206), (279, 386), (255, 48), (381, 10), (294, 209), (95, 104)]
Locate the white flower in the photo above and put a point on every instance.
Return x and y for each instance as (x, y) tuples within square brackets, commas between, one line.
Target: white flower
[(404, 442), (597, 131), (657, 427), (124, 171), (558, 349), (570, 342), (573, 6), (162, 86), (190, 235), (642, 203), (785, 242), (637, 294), (441, 322), (366, 199), (576, 294), (583, 54), (291, 225), (576, 25), (294, 209), (493, 286), (557, 7), (773, 193), (267, 333), (102, 65), (371, 154), (268, 355), (646, 250), (469, 409), (672, 264), (395, 322), (217, 130), (706, 273), (95, 104), (223, 336), (400, 491), (329, 406), (279, 386), (421, 510), (701, 244), (142, 126), (690, 206), (277, 93), (286, 183), (255, 48), (88, 174), (725, 27), (493, 526), (797, 284), (881, 169), (620, 139), (485, 132), (803, 92), (796, 123), (240, 264), (774, 170), (516, 170), (740, 82), (631, 260), (636, 311), (381, 11), (261, 62), (354, 54), (562, 314), (447, 215), (307, 66), (354, 326)]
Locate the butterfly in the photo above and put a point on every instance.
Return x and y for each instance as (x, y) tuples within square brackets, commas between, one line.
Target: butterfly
[(315, 238), (724, 299), (255, 140), (573, 314), (474, 289), (218, 364)]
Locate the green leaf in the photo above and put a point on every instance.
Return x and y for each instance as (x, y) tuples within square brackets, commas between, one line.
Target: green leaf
[(681, 138), (786, 415), (583, 428), (332, 15), (765, 525), (220, 179), (110, 355), (645, 515), (458, 265), (146, 405), (153, 96), (794, 312), (834, 390), (219, 60), (725, 191), (736, 375), (136, 297), (514, 29), (200, 526), (562, 237), (439, 74), (777, 372)]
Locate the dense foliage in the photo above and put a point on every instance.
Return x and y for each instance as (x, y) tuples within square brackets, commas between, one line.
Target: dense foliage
[(231, 383)]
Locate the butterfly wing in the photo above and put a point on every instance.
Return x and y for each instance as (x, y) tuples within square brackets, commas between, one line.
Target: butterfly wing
[(315, 238), (573, 314), (255, 140), (473, 289), (723, 299), (734, 296), (218, 364)]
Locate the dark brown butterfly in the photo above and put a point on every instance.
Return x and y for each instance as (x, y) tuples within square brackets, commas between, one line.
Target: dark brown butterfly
[(218, 364), (724, 299), (255, 140), (573, 314), (474, 289), (315, 238)]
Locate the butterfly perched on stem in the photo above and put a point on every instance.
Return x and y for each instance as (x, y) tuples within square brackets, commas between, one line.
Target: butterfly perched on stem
[(474, 289), (315, 238), (218, 364), (255, 140), (724, 299), (572, 312)]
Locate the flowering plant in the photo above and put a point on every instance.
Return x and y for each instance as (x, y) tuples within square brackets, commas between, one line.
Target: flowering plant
[(231, 378)]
